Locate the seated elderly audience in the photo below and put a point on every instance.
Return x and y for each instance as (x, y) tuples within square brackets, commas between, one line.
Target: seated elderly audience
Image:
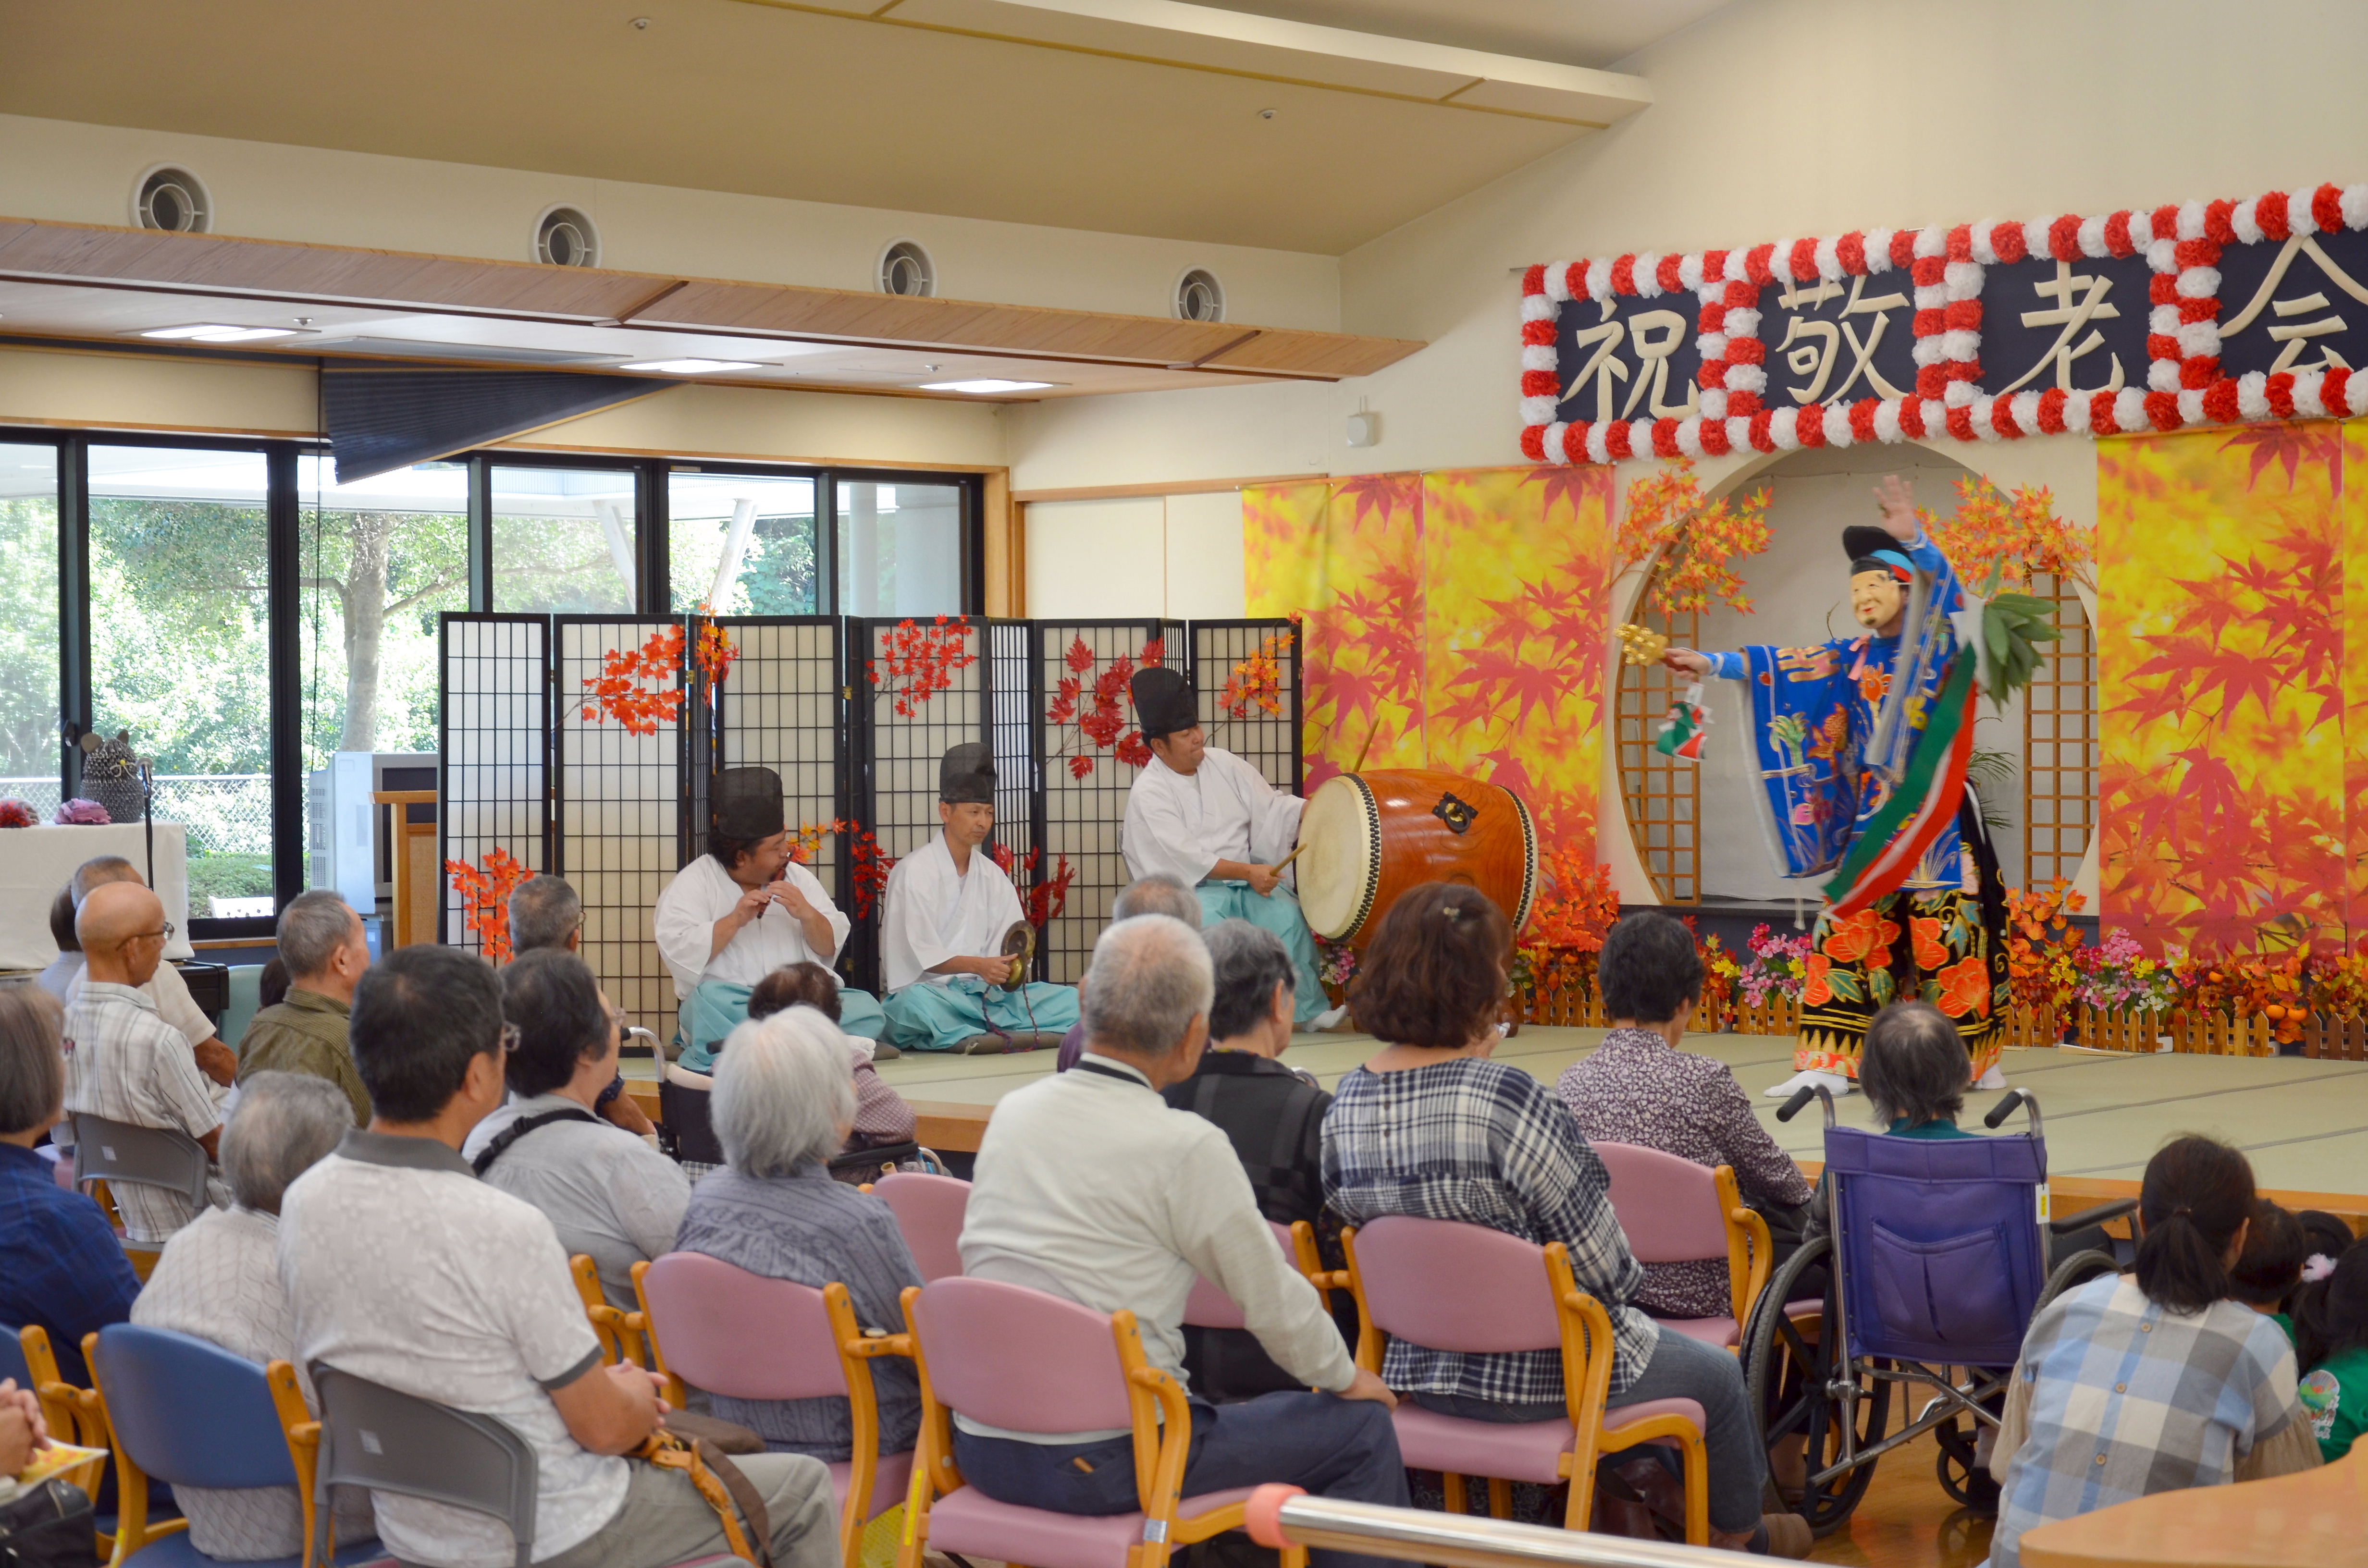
[(1274, 1119), (1090, 1186), (546, 913), (606, 1193), (219, 1280), (166, 988), (881, 1115), (1430, 1127), (325, 949), (2151, 1380), (125, 1062), (271, 985), (1639, 1088), (785, 1101), (60, 1266), (2269, 1271), (1916, 1087), (403, 1268), (1158, 893)]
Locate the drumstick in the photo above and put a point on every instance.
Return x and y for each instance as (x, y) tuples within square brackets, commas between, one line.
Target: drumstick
[(1284, 864)]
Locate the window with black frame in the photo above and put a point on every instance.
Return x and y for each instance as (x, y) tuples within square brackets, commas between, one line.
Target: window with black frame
[(191, 546)]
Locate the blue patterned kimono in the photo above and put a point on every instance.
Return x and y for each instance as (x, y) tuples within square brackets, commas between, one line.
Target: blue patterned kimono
[(1833, 726), (1833, 737)]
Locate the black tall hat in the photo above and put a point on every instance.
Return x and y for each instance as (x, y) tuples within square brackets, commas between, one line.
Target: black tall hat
[(746, 803), (1874, 550), (966, 775), (1163, 703)]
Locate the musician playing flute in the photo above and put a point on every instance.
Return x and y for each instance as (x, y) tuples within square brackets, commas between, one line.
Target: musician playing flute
[(1861, 749), (1202, 815)]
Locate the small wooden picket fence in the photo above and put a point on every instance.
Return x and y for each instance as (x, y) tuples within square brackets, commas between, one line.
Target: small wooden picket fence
[(2194, 1034)]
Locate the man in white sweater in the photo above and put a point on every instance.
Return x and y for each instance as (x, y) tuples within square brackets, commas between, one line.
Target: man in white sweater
[(1089, 1186)]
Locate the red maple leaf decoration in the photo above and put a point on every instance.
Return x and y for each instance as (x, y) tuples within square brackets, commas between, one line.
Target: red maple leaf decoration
[(919, 661), (485, 898), (616, 692)]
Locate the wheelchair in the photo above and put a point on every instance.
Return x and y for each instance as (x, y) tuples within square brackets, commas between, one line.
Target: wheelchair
[(1932, 1261)]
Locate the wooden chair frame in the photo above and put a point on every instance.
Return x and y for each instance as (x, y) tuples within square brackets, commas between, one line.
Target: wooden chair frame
[(1162, 1440), (1750, 1251), (71, 1414), (1587, 1388), (133, 1530), (624, 1336), (857, 1348)]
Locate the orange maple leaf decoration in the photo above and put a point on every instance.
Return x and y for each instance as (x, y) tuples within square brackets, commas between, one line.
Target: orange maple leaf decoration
[(714, 652), (806, 841), (1257, 681), (1698, 540), (485, 898), (616, 692), (2017, 538)]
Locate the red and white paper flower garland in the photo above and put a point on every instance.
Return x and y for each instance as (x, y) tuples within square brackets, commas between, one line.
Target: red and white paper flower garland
[(2184, 386)]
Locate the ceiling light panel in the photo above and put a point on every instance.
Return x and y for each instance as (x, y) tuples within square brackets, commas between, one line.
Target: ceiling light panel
[(691, 367), (987, 386), (216, 332)]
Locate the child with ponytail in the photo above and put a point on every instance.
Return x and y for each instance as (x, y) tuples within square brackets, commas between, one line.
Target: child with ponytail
[(2331, 1322), (2155, 1380)]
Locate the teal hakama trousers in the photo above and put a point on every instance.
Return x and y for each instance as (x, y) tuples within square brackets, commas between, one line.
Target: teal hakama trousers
[(1277, 911), (719, 1006), (940, 1015)]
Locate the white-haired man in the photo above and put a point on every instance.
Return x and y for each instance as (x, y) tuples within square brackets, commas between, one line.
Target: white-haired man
[(1088, 1185)]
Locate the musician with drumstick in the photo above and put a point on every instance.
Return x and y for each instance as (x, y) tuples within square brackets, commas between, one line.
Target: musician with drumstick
[(1861, 748), (1202, 815), (954, 944)]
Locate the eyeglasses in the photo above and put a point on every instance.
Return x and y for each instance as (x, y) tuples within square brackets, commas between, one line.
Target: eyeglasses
[(511, 1035), (164, 936)]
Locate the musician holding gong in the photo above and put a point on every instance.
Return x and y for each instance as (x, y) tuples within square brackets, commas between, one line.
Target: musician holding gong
[(1861, 749), (954, 941), (1202, 815)]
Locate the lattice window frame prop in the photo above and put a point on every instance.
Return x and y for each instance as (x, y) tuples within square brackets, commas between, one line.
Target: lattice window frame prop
[(493, 750), (2063, 751), (1659, 795)]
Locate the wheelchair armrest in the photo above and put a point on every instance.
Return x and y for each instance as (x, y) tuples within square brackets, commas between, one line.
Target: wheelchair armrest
[(2097, 1216)]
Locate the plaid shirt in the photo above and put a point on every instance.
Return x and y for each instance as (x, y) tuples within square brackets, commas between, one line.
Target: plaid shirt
[(1637, 1089), (60, 1264), (126, 1063), (1475, 1142), (2128, 1399)]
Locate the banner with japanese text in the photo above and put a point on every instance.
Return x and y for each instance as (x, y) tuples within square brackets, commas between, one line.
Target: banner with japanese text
[(1454, 620), (2206, 313)]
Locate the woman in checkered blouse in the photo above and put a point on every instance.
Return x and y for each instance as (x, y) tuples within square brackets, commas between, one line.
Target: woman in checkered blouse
[(1431, 1128), (2156, 1380)]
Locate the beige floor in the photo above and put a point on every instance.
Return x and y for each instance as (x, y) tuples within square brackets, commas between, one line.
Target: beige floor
[(2305, 1123)]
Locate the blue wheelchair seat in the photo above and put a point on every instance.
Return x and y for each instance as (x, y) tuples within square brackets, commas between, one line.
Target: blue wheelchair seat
[(1944, 1259)]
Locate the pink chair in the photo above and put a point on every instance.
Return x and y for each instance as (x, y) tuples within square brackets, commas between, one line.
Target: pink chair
[(928, 1210), (740, 1334), (1020, 1359), (1677, 1211), (1471, 1290), (1208, 1307)]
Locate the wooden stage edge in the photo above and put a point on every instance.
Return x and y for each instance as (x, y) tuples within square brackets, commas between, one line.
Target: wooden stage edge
[(952, 1126)]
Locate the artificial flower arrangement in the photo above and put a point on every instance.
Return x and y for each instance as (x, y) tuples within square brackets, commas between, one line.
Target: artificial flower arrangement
[(17, 813), (80, 812)]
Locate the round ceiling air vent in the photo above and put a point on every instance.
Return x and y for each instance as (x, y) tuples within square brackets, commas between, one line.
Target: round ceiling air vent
[(172, 200), (905, 268), (564, 236), (1200, 297)]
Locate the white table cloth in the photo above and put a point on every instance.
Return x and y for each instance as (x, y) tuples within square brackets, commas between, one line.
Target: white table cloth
[(35, 862)]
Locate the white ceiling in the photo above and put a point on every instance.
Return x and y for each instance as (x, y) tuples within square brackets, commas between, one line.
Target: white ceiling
[(1138, 116), (1597, 33)]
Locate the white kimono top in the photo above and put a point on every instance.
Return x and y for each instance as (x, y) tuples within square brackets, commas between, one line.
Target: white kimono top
[(702, 894), (930, 913), (1183, 824)]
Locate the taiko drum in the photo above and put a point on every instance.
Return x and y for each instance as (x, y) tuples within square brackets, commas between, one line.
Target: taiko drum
[(1367, 837)]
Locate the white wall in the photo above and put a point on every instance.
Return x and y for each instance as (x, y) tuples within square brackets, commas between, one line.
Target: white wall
[(83, 173), (1178, 556), (1778, 117)]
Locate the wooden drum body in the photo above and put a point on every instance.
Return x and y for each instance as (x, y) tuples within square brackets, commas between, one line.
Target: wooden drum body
[(1367, 837)]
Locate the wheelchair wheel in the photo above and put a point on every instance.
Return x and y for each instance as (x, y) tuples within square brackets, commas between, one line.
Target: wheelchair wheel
[(1970, 1483), (1788, 1373), (2077, 1270)]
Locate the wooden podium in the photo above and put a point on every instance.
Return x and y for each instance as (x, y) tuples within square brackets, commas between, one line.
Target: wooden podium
[(418, 871)]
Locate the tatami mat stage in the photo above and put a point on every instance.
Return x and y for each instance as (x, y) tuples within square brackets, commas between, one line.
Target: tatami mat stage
[(2305, 1123)]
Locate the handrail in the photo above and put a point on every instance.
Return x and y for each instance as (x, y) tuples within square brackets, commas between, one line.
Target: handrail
[(1279, 1517)]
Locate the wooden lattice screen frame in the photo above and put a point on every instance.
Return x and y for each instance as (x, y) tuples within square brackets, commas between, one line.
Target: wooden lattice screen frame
[(2061, 752), (1663, 795)]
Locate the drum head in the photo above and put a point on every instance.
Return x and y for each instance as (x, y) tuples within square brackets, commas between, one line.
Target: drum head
[(1339, 870)]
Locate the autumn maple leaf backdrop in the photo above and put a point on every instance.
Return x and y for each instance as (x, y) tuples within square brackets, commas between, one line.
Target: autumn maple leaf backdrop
[(1460, 619), (2233, 689)]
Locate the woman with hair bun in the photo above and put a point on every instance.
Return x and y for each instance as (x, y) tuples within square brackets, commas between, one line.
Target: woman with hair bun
[(2155, 1380)]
